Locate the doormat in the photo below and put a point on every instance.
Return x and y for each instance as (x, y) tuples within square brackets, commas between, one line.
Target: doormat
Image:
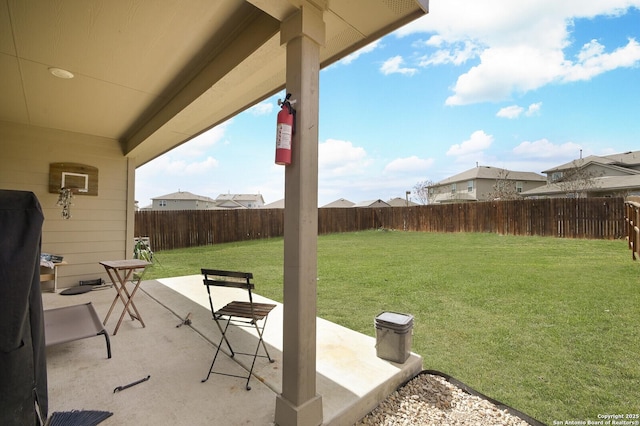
[(76, 290)]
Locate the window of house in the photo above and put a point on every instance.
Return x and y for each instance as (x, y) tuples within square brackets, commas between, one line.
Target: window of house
[(556, 176), (453, 188), (162, 203), (470, 186), (519, 186)]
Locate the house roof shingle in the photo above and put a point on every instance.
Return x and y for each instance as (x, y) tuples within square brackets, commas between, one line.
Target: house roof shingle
[(401, 202), (240, 197), (487, 172), (372, 203), (183, 195), (341, 202), (279, 204)]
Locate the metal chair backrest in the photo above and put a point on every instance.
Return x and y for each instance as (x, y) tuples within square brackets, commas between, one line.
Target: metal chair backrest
[(222, 278)]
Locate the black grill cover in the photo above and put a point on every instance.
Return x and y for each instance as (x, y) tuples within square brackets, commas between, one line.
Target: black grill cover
[(23, 369)]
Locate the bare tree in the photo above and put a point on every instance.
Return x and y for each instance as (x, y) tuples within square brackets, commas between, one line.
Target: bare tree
[(421, 191), (577, 180), (503, 188)]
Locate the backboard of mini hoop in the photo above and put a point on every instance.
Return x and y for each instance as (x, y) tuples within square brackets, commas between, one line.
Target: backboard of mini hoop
[(80, 178)]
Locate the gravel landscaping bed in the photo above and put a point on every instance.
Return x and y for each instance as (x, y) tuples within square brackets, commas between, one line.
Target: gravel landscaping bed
[(431, 399)]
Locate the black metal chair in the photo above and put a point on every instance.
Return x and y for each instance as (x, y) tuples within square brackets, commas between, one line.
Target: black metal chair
[(239, 313)]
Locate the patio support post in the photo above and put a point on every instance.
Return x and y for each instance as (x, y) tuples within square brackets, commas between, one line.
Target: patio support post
[(299, 404)]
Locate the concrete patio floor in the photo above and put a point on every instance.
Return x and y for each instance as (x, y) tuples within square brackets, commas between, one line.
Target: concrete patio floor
[(350, 377)]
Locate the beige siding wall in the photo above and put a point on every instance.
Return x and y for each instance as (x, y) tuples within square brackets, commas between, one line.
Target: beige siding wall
[(594, 171), (528, 185), (175, 205), (484, 187), (98, 228), (481, 189)]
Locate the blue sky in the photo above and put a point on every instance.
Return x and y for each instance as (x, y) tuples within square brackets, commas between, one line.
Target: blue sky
[(520, 85)]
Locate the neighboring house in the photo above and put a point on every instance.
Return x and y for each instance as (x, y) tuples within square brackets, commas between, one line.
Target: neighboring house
[(182, 200), (605, 186), (275, 205), (372, 203), (480, 183), (624, 164), (593, 176), (341, 202), (242, 201), (401, 202)]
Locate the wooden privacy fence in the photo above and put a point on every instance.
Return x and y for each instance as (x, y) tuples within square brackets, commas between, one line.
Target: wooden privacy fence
[(600, 218), (632, 219)]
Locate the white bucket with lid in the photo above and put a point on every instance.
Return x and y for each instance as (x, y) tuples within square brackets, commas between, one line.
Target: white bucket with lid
[(394, 333)]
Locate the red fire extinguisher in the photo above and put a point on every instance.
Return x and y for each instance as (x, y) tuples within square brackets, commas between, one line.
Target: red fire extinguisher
[(285, 131)]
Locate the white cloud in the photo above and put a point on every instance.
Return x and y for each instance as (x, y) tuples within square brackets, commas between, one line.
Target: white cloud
[(170, 165), (520, 45), (593, 60), (393, 66), (355, 55), (506, 70), (456, 54), (534, 109), (495, 20), (201, 167), (408, 165), (347, 169), (435, 41), (478, 141), (543, 148), (199, 145), (511, 112), (515, 111), (341, 158), (590, 50), (491, 20), (263, 108)]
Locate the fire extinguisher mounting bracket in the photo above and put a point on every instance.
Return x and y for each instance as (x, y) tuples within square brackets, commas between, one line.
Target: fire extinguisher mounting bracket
[(288, 103)]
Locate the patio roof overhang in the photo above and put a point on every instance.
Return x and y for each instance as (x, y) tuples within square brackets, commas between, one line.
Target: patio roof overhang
[(154, 74)]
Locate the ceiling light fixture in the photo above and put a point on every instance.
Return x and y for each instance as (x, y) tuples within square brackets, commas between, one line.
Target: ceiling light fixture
[(60, 73)]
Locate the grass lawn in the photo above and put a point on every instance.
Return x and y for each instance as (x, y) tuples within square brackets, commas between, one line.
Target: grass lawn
[(548, 326)]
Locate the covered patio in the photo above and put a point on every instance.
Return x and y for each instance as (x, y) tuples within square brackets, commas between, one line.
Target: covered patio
[(93, 90), (350, 377)]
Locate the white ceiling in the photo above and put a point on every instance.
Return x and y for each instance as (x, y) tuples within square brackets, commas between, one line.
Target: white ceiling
[(154, 73)]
